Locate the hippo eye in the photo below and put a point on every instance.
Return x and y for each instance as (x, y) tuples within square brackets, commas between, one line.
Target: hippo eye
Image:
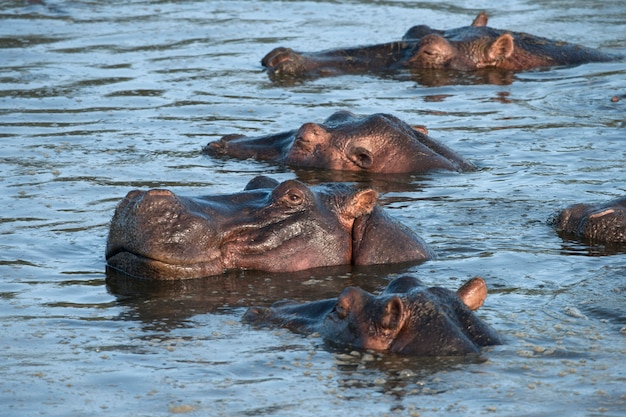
[(293, 198)]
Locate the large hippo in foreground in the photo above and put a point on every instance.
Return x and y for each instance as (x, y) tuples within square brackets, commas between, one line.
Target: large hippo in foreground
[(269, 226), (407, 318), (377, 143), (603, 222), (467, 48)]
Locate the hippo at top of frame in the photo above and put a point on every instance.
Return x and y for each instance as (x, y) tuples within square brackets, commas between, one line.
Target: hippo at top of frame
[(469, 48), (270, 226), (376, 143), (406, 318)]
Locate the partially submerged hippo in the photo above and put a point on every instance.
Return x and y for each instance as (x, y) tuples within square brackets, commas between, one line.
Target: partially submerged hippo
[(378, 143), (604, 222), (269, 226), (466, 48), (407, 318)]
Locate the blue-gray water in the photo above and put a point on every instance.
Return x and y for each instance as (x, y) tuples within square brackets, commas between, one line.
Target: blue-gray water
[(97, 98)]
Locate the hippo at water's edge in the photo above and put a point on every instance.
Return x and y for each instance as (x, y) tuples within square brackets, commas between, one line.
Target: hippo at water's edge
[(269, 226), (407, 318), (467, 48), (377, 143), (603, 222)]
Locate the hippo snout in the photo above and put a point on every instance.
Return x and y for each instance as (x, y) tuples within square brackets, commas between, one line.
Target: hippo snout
[(309, 136), (157, 234)]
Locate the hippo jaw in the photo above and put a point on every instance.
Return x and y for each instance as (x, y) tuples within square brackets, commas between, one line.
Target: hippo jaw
[(147, 268)]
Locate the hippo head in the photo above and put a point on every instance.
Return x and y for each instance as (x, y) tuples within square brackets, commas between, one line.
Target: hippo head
[(272, 227), (478, 47), (377, 143), (410, 318), (407, 318)]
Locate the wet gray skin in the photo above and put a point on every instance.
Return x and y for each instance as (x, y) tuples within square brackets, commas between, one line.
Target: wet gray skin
[(467, 48), (407, 318), (602, 222), (377, 143), (269, 226)]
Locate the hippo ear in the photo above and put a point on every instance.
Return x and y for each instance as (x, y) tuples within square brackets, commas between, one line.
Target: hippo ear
[(260, 182), (481, 19), (361, 203), (420, 129), (473, 293), (361, 157), (393, 314), (502, 48)]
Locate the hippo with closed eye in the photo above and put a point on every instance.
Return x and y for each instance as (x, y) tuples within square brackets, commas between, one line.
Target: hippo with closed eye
[(377, 143), (467, 48)]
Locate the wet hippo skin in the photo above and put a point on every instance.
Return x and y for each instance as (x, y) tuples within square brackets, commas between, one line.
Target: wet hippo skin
[(601, 222), (407, 318), (466, 48), (377, 143), (269, 226)]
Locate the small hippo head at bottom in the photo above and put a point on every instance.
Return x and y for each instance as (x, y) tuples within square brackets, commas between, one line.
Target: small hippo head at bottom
[(407, 318)]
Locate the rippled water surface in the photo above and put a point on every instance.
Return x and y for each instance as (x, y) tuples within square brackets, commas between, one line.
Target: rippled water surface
[(97, 98)]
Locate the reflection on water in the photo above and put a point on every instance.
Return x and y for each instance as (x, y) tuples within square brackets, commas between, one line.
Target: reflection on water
[(186, 298), (99, 98)]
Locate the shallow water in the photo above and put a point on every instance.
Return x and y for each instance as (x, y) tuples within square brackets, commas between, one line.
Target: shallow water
[(97, 98)]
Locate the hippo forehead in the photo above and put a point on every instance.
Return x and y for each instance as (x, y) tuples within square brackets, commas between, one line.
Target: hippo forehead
[(347, 127), (342, 118), (413, 293), (471, 33), (324, 197)]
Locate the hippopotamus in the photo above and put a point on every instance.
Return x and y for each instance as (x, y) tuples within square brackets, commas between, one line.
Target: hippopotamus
[(467, 48), (377, 143), (603, 222), (406, 318), (271, 227)]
